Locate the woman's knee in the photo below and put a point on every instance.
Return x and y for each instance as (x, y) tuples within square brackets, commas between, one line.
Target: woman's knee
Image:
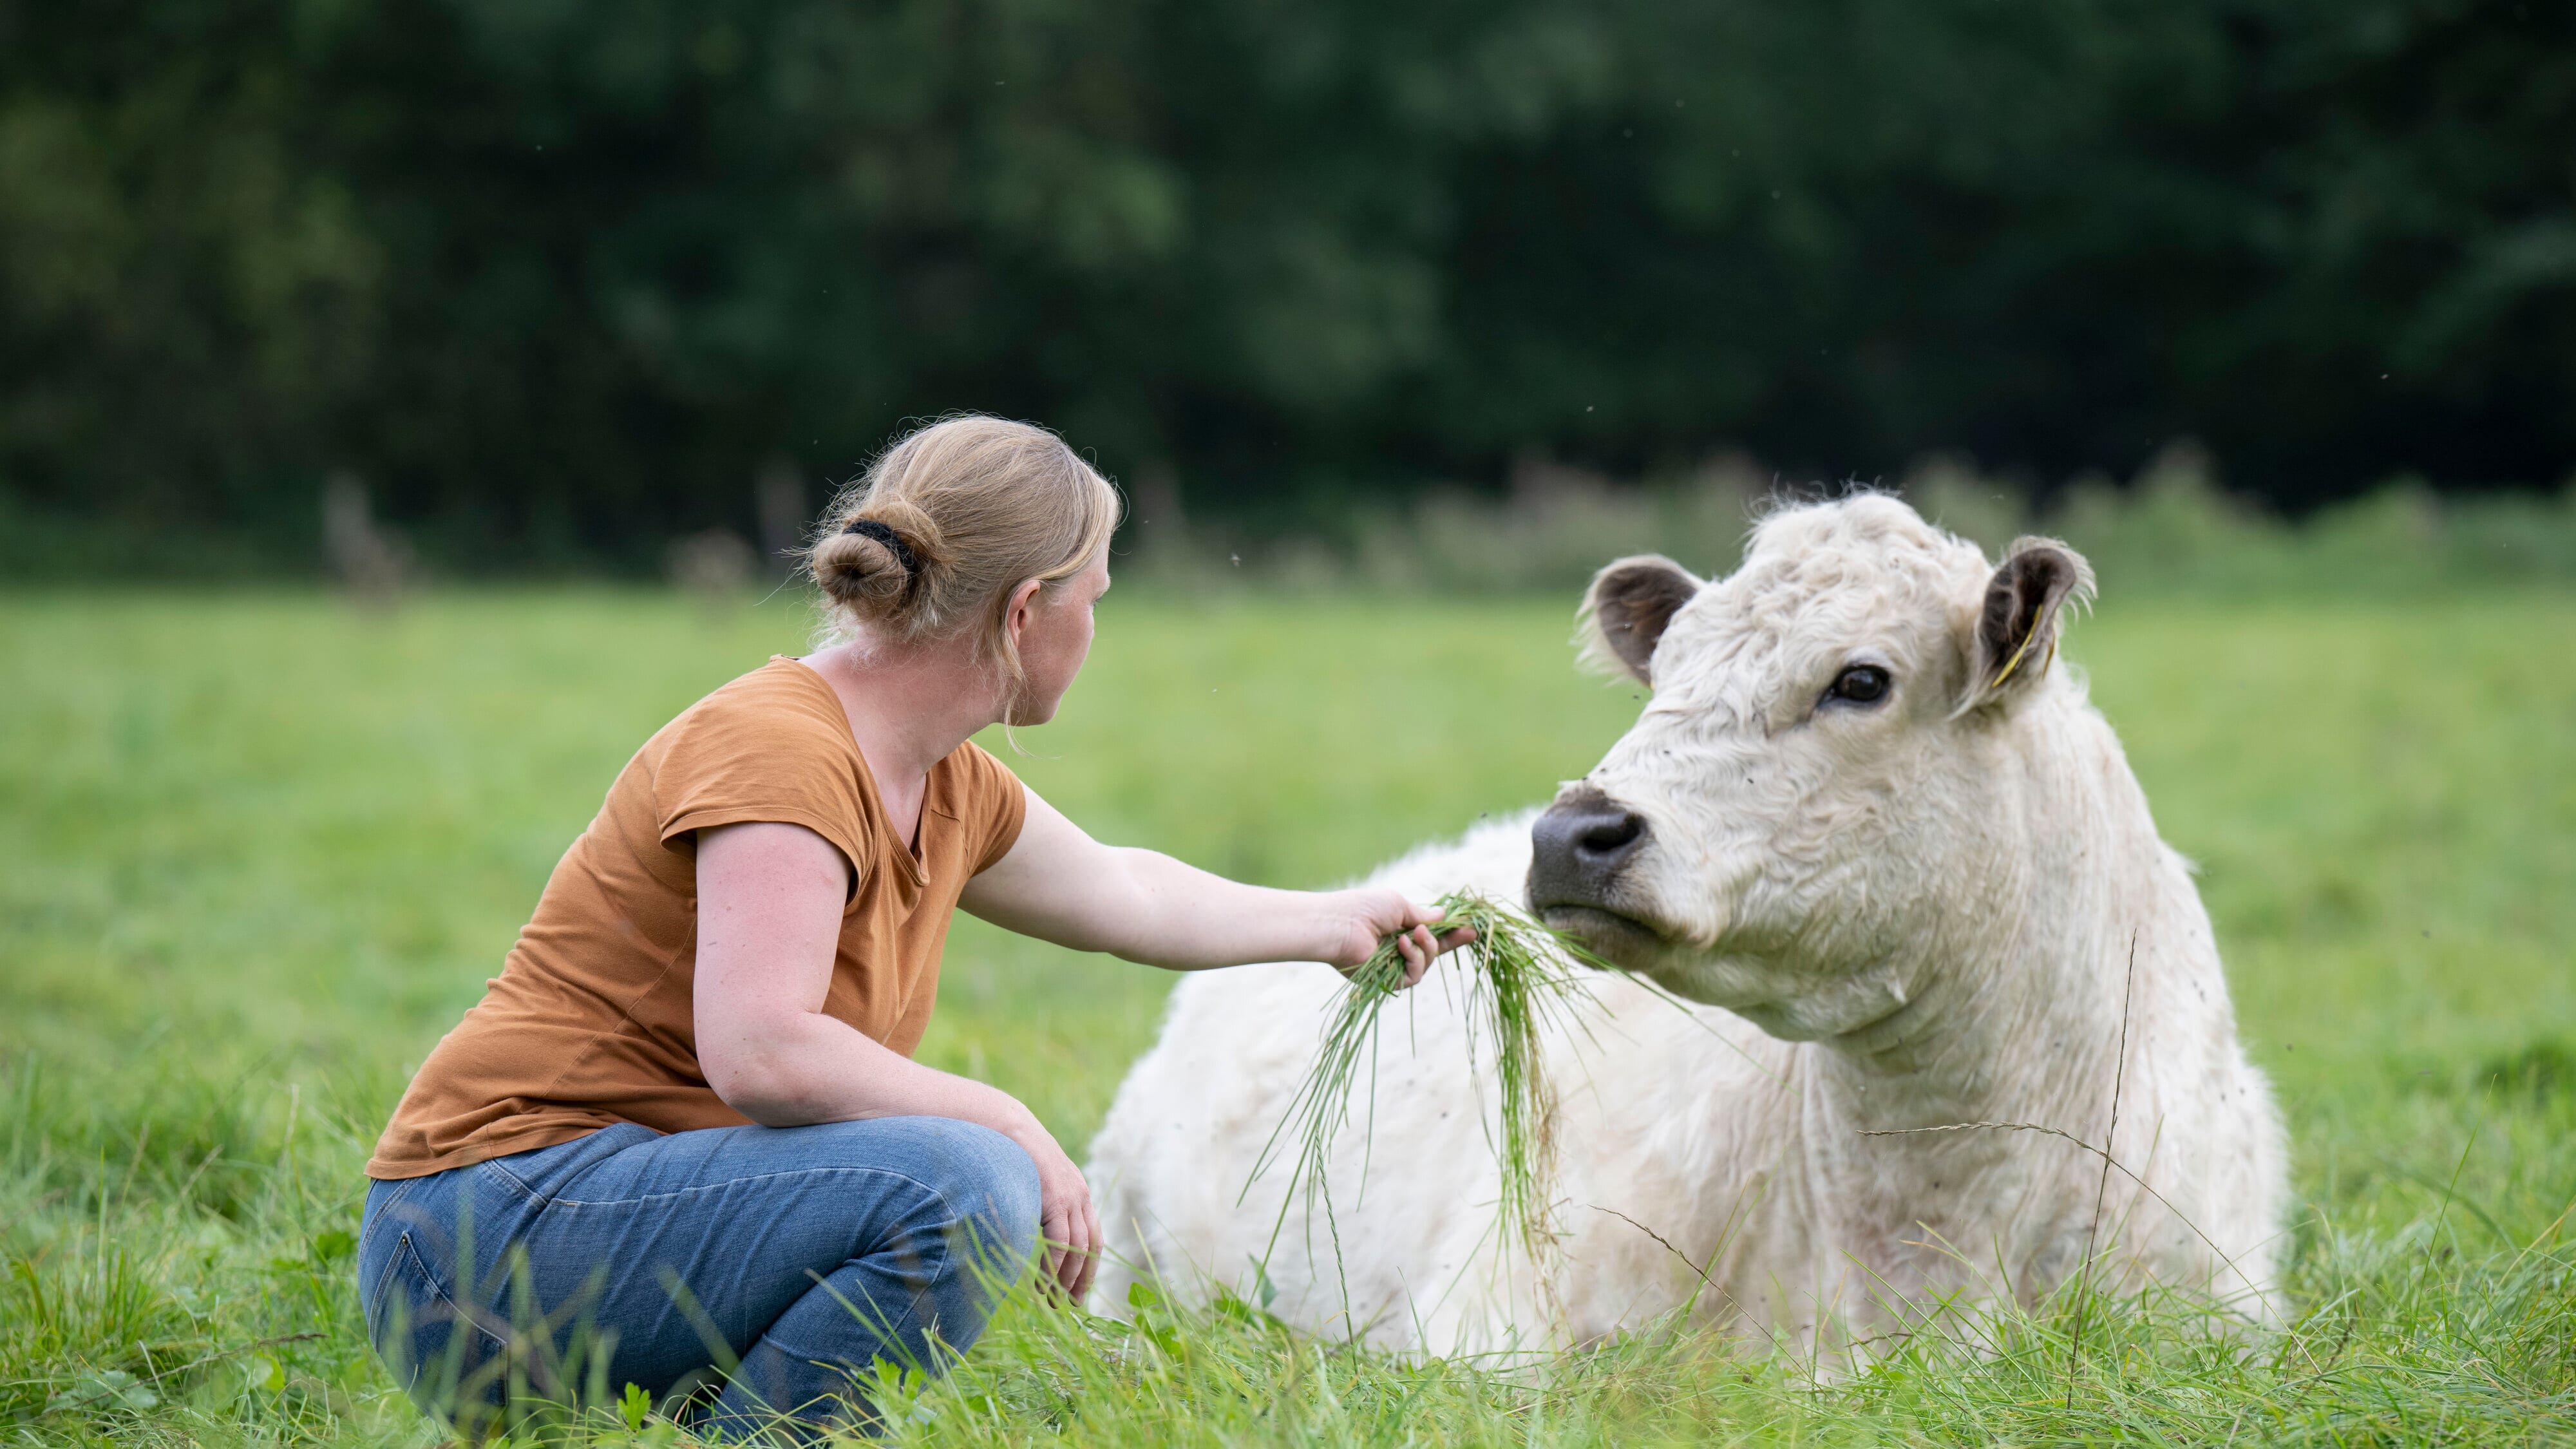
[(987, 1180)]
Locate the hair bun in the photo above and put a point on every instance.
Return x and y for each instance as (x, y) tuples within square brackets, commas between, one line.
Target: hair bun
[(863, 571), (877, 530)]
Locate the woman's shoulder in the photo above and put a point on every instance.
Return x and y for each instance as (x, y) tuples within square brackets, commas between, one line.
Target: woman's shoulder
[(771, 745), (780, 723), (782, 703)]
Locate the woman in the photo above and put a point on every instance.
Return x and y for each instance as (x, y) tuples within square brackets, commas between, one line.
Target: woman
[(682, 1135)]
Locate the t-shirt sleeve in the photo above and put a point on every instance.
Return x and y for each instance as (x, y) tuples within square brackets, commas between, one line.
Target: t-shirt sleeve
[(751, 758), (997, 805)]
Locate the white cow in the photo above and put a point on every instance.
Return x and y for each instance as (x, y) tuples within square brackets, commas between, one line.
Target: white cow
[(1872, 824)]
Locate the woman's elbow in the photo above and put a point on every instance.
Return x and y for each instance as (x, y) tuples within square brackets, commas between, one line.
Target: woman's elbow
[(759, 1086)]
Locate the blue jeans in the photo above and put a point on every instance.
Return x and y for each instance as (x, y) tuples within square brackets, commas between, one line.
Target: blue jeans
[(786, 1260)]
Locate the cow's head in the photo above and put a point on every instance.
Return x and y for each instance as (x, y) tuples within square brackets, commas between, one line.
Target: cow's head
[(1816, 789)]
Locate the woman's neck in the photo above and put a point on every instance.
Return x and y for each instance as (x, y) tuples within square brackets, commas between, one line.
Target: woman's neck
[(908, 709)]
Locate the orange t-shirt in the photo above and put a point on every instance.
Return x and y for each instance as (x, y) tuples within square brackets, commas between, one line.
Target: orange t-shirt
[(590, 1021)]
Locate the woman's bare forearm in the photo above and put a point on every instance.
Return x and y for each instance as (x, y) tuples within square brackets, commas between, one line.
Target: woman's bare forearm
[(808, 1068), (1185, 919), (1058, 884), (1144, 906)]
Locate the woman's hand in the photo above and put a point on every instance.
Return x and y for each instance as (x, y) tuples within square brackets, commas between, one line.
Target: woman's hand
[(1376, 915), (1068, 1224)]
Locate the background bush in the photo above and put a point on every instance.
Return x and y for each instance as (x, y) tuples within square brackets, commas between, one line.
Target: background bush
[(2172, 532), (561, 281)]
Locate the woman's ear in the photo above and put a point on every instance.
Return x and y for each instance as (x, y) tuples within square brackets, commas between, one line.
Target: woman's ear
[(1020, 609), (1626, 609), (2018, 621)]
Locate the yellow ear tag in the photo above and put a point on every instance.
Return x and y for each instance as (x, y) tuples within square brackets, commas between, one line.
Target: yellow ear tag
[(2015, 662)]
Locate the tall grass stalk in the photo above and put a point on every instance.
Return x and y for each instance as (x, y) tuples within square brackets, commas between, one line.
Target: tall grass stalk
[(1519, 977)]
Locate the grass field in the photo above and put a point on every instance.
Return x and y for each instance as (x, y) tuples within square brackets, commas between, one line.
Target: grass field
[(257, 852)]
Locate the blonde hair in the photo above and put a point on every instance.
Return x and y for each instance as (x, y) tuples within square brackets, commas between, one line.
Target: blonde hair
[(950, 520)]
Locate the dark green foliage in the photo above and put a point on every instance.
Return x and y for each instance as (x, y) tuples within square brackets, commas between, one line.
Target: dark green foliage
[(559, 279)]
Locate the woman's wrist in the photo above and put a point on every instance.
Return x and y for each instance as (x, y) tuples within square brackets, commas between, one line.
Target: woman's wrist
[(1012, 1118), (1347, 932)]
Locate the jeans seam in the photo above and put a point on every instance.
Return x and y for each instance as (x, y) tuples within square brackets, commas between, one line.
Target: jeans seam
[(388, 1210), (371, 1307), (433, 1295), (385, 1219), (511, 1180), (470, 1318), (896, 1174)]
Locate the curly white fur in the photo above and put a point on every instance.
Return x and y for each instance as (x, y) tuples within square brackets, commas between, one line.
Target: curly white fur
[(1918, 916)]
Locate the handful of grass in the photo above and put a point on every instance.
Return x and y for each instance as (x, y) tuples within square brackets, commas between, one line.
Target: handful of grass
[(1519, 976)]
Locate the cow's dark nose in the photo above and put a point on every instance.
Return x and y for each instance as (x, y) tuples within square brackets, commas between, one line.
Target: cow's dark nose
[(1578, 846)]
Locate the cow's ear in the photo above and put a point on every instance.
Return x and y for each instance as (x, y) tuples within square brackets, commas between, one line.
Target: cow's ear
[(1626, 609), (2019, 621)]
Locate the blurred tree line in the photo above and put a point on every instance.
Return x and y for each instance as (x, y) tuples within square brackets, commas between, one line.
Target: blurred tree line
[(562, 278)]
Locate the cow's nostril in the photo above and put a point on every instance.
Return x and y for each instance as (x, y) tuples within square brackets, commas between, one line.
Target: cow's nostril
[(1610, 836), (1577, 847)]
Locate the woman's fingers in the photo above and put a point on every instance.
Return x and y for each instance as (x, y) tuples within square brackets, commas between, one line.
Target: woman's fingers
[(1055, 1228), (1073, 1239), (1389, 919), (1419, 952), (1091, 1256), (1068, 1228), (1419, 946), (1086, 1259), (1081, 1252)]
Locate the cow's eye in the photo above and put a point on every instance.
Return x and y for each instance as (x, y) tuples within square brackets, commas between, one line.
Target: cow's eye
[(1860, 684)]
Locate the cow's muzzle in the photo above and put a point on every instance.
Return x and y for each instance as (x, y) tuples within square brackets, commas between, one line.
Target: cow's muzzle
[(1578, 850)]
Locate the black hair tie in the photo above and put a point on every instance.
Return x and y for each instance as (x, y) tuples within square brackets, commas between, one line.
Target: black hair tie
[(870, 528)]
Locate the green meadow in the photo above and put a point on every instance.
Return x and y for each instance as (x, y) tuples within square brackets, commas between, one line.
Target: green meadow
[(258, 850)]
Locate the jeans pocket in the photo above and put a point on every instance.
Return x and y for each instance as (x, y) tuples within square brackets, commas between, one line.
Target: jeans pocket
[(443, 1355), (371, 1295), (380, 1238), (497, 1172)]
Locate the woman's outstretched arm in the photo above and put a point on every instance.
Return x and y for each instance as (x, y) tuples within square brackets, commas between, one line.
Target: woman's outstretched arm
[(1060, 885), (769, 924)]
